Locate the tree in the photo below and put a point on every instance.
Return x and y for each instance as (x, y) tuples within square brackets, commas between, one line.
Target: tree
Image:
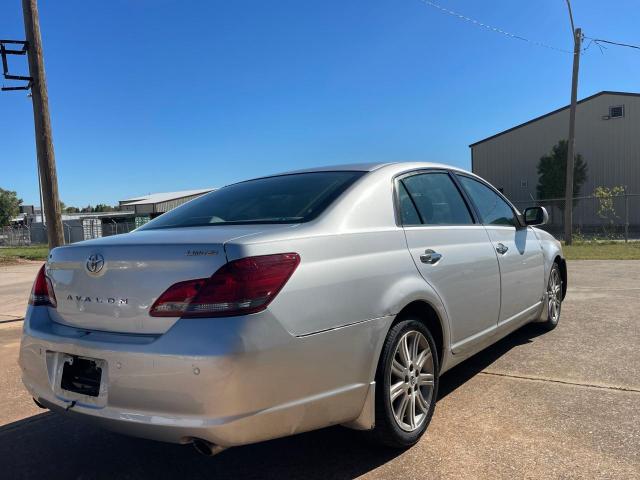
[(606, 209), (9, 206), (101, 207), (552, 171), (68, 209)]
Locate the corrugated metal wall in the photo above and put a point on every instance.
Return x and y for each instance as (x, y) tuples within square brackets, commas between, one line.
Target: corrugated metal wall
[(162, 207), (611, 148)]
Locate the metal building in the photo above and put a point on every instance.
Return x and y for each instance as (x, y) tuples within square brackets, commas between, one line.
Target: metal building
[(29, 227), (607, 137), (154, 204)]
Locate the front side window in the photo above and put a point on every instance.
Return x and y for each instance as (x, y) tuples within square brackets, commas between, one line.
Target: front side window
[(492, 208), (437, 199), (293, 198)]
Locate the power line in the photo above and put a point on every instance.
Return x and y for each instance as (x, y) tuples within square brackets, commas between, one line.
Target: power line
[(598, 41), (492, 28)]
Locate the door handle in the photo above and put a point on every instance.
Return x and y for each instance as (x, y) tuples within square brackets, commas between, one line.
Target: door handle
[(501, 248), (430, 257)]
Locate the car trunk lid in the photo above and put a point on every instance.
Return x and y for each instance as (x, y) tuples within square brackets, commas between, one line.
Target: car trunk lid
[(110, 284)]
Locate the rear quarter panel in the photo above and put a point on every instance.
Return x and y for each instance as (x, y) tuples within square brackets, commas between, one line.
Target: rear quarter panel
[(343, 279)]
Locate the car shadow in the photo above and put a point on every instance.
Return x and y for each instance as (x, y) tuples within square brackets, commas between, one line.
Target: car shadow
[(466, 370), (52, 446)]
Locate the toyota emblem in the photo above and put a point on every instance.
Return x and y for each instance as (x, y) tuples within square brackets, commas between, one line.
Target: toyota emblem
[(95, 263)]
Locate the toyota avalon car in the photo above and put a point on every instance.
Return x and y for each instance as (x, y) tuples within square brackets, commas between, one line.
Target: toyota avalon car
[(289, 303)]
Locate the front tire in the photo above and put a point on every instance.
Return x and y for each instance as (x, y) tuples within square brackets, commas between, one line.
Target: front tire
[(406, 385), (554, 298)]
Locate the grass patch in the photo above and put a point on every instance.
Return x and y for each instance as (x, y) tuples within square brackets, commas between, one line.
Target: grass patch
[(602, 250), (13, 254)]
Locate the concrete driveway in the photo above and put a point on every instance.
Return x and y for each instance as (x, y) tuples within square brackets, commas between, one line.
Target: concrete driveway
[(15, 285), (565, 404)]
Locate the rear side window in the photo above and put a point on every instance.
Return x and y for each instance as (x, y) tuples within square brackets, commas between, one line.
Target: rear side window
[(294, 198), (408, 211), (437, 199), (492, 208)]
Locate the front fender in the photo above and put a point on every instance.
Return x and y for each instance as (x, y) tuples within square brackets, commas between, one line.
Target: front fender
[(552, 252)]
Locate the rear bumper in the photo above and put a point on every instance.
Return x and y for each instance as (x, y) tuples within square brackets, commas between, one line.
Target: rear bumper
[(230, 381)]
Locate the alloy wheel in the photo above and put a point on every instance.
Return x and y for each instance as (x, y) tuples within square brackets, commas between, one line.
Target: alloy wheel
[(554, 294), (411, 381)]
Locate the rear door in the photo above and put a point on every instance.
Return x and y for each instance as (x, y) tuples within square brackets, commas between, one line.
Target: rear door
[(517, 247), (452, 252)]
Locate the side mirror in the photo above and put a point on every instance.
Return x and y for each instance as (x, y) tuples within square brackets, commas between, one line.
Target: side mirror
[(535, 216)]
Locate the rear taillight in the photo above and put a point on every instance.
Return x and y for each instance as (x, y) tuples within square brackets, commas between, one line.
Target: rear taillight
[(42, 291), (240, 287)]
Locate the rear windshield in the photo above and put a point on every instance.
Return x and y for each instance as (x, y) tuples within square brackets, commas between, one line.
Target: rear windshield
[(293, 198)]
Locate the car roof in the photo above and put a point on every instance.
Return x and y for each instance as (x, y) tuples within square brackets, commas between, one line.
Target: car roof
[(352, 167), (393, 168), (370, 167)]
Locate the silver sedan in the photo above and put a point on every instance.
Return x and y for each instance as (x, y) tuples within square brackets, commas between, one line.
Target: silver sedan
[(288, 303)]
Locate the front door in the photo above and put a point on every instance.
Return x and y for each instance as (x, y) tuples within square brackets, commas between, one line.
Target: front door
[(518, 250), (453, 254)]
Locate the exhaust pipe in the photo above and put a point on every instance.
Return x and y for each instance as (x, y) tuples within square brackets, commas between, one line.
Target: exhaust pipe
[(206, 448)]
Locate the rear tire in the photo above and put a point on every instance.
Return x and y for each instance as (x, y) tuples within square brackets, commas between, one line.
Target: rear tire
[(554, 298), (406, 385)]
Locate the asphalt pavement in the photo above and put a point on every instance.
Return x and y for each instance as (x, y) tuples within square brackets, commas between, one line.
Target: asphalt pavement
[(564, 404)]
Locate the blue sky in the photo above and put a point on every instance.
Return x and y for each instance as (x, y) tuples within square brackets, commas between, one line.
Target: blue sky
[(162, 95)]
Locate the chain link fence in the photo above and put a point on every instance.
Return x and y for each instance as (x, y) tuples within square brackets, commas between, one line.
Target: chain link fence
[(607, 217), (74, 231), (15, 236)]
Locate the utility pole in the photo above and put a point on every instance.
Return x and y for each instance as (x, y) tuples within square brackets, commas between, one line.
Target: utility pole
[(568, 195), (42, 121)]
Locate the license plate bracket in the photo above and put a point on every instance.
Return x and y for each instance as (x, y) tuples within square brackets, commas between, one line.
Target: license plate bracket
[(82, 376)]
